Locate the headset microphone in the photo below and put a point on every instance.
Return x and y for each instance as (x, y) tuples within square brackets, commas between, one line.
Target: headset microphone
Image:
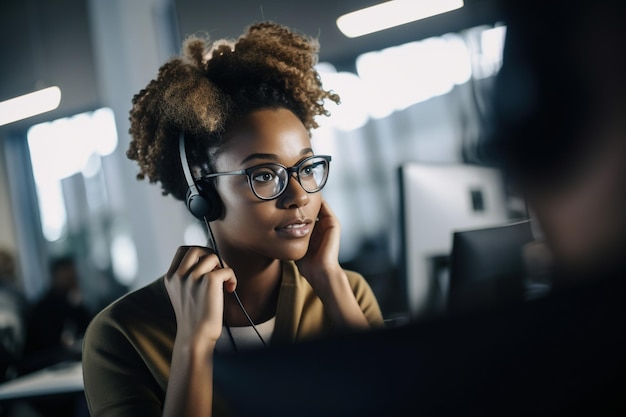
[(202, 200), (204, 203)]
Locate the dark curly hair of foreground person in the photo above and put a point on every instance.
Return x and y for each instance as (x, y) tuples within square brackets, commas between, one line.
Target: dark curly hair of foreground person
[(211, 85)]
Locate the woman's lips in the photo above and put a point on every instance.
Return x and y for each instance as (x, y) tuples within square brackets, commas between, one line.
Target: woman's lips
[(295, 230)]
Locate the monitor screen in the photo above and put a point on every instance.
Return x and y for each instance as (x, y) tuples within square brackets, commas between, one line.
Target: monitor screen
[(436, 200), (487, 266)]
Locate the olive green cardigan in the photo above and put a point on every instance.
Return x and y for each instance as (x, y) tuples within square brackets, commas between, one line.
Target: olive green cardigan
[(128, 346)]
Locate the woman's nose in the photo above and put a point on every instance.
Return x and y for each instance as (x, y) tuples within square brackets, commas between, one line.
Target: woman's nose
[(294, 195)]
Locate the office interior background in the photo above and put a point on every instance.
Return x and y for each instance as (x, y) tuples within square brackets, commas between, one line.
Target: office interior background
[(417, 94)]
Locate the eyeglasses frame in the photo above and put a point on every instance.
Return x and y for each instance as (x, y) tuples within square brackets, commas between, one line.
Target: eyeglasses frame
[(290, 170)]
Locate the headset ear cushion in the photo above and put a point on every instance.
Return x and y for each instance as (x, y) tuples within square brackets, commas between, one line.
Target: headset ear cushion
[(204, 202)]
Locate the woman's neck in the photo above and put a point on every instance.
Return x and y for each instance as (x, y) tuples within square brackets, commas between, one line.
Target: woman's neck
[(258, 283)]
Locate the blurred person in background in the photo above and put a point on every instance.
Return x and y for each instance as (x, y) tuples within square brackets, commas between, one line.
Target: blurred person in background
[(13, 316), (58, 319)]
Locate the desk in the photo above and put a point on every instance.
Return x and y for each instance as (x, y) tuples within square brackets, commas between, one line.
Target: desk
[(63, 378)]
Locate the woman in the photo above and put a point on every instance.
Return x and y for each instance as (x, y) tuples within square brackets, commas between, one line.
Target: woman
[(226, 128)]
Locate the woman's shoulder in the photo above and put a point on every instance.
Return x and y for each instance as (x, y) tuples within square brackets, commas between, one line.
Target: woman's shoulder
[(149, 304), (365, 297), (355, 278), (358, 283), (127, 349)]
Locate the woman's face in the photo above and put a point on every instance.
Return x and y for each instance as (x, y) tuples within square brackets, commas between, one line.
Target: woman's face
[(276, 229)]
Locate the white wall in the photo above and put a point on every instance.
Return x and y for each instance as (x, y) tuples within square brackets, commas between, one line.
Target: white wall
[(131, 41)]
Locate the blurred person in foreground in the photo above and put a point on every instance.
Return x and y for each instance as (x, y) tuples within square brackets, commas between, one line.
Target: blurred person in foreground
[(561, 129), (560, 135)]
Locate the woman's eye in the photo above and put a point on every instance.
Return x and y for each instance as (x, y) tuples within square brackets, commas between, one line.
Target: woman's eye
[(263, 176), (308, 170)]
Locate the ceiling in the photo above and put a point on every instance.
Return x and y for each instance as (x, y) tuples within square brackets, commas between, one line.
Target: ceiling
[(49, 42), (317, 18)]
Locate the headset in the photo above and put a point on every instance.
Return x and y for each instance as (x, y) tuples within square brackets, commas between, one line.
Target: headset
[(202, 199), (204, 203)]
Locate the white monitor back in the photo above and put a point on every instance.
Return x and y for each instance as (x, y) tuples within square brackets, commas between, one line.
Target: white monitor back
[(437, 200)]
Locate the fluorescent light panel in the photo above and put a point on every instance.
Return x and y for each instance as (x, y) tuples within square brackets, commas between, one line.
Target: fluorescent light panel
[(392, 13), (30, 104)]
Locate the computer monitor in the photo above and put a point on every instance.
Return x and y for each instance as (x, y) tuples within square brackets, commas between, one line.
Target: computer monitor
[(435, 201), (487, 266), (545, 358)]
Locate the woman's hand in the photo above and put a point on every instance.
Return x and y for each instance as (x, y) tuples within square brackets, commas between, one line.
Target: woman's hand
[(320, 266), (195, 284), (322, 257)]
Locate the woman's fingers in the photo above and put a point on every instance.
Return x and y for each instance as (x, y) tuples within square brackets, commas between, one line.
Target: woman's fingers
[(196, 285), (199, 263), (193, 261), (203, 264), (222, 278), (326, 210), (178, 256)]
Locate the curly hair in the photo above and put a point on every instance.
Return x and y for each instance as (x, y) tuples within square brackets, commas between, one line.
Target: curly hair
[(210, 86)]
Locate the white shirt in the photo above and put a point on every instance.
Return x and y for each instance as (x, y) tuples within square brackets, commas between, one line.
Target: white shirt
[(245, 337)]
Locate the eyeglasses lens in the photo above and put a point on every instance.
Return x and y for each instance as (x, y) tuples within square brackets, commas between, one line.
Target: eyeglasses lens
[(313, 174), (269, 181)]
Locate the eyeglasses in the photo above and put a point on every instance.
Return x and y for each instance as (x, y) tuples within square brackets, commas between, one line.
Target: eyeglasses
[(269, 181)]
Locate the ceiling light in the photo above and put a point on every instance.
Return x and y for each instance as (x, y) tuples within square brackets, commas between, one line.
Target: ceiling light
[(392, 13), (30, 104)]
